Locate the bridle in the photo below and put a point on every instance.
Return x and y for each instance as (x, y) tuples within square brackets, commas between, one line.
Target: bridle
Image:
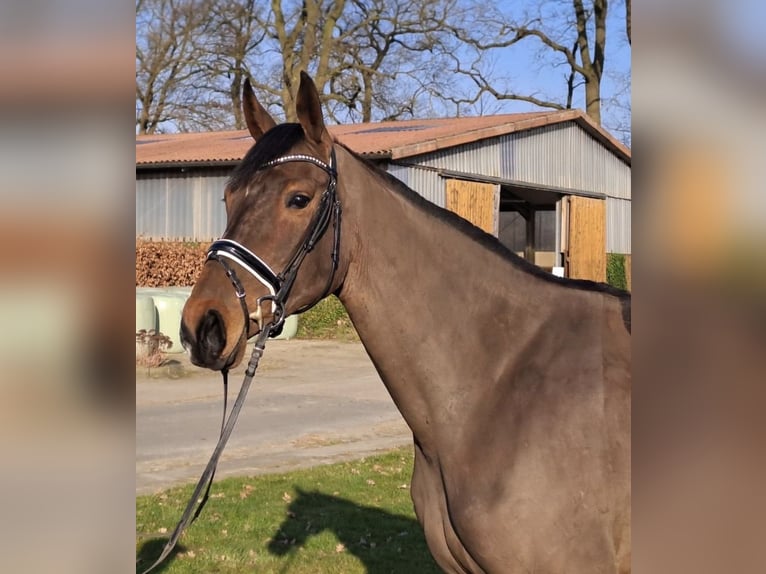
[(279, 286)]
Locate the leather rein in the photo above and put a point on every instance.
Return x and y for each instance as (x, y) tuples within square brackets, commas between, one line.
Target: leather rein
[(279, 286)]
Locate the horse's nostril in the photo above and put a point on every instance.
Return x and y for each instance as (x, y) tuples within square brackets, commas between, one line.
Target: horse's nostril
[(186, 336), (211, 335)]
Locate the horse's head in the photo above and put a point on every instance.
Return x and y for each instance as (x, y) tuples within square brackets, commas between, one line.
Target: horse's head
[(280, 244)]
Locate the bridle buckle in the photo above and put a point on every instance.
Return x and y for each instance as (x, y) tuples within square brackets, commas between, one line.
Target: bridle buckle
[(277, 312)]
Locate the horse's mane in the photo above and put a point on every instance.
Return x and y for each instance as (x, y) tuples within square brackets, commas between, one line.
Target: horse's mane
[(482, 237)]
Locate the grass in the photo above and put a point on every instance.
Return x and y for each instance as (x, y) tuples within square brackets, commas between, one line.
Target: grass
[(615, 270), (328, 319), (346, 518)]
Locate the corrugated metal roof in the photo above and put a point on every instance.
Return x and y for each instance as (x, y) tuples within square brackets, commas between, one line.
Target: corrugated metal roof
[(395, 140)]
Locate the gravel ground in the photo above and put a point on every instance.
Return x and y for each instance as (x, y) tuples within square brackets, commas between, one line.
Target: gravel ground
[(311, 402)]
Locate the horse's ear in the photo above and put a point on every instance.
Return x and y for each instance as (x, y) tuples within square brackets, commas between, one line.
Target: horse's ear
[(257, 118), (309, 109)]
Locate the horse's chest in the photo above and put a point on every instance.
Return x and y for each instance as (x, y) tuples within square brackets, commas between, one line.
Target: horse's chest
[(445, 520)]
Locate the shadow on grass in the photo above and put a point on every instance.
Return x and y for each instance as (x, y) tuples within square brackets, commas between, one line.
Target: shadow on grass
[(382, 541), (150, 550)]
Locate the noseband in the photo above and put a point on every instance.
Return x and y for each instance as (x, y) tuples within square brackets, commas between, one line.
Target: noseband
[(279, 285)]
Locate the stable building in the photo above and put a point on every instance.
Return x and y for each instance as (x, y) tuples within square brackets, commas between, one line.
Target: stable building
[(553, 186)]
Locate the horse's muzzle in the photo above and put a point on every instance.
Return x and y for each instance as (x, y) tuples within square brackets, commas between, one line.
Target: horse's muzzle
[(207, 344)]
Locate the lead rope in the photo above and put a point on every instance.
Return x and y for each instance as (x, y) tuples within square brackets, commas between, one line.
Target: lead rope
[(207, 476), (225, 375)]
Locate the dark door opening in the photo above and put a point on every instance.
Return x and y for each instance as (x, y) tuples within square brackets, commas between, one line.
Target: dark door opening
[(527, 224)]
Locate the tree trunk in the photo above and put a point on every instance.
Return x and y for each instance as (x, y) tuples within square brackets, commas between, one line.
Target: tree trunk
[(367, 97), (592, 67), (593, 98), (236, 99)]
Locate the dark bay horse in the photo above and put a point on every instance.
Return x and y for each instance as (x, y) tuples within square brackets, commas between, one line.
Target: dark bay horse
[(515, 383)]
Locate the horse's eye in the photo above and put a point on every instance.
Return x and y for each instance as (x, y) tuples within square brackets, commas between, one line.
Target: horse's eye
[(298, 201)]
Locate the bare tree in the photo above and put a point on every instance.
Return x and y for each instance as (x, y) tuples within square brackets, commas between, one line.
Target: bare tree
[(391, 55), (574, 35), (371, 59), (236, 36), (617, 107), (302, 37), (167, 60), (270, 41)]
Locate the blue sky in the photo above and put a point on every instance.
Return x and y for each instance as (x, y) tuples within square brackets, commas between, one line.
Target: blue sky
[(527, 67)]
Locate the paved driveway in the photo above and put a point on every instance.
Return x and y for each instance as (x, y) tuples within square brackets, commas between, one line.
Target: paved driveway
[(311, 402)]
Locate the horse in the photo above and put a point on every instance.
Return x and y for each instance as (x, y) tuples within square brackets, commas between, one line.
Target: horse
[(515, 383)]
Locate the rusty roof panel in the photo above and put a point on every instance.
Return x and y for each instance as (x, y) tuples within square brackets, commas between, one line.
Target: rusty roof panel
[(395, 140)]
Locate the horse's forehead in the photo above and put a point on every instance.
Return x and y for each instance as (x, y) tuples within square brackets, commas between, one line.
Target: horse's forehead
[(252, 199), (281, 173)]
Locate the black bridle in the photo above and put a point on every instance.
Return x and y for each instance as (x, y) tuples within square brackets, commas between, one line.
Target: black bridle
[(279, 287)]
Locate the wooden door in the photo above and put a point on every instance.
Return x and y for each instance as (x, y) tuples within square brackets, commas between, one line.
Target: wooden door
[(586, 253), (477, 202)]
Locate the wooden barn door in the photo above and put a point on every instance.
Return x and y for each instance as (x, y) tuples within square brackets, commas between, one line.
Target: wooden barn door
[(586, 253), (476, 202)]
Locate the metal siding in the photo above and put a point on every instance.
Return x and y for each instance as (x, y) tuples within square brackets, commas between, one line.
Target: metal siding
[(400, 172), (178, 219), (564, 156), (559, 156), (428, 184), (150, 207), (210, 209), (180, 206), (425, 183), (618, 226), (482, 157)]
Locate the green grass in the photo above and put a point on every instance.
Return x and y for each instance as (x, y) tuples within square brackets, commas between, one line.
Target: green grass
[(347, 517), (615, 270), (326, 320)]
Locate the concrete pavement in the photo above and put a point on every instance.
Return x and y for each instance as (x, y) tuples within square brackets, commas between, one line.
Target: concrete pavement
[(311, 402)]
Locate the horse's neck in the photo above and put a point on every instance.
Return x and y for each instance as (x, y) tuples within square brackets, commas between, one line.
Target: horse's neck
[(428, 301)]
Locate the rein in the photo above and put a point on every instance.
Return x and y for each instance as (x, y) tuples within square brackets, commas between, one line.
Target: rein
[(279, 287)]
